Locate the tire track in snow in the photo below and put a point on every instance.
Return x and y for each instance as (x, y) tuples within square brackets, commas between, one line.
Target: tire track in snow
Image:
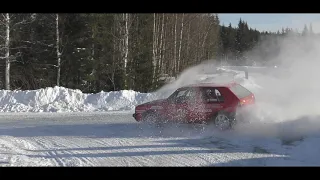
[(42, 144), (50, 147), (57, 148), (19, 150), (61, 143)]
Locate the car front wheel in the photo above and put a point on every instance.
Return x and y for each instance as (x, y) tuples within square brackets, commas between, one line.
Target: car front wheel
[(152, 118)]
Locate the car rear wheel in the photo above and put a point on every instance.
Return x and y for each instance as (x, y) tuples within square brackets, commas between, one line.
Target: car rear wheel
[(224, 121)]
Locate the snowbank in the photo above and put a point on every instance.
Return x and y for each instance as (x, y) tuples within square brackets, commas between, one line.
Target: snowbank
[(60, 99)]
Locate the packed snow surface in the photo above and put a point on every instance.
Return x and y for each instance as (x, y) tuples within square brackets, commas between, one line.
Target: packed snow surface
[(115, 139)]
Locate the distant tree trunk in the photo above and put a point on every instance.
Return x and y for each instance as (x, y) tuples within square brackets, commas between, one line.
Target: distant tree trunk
[(204, 42), (126, 48), (188, 43), (113, 71), (92, 46), (180, 43), (161, 44), (175, 45), (154, 44), (58, 50), (7, 50)]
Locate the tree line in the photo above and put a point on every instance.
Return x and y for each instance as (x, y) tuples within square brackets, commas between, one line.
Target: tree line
[(107, 52)]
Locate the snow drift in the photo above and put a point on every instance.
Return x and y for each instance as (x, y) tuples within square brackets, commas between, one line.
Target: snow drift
[(60, 99)]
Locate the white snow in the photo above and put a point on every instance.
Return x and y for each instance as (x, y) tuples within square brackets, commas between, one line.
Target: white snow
[(115, 139), (60, 99)]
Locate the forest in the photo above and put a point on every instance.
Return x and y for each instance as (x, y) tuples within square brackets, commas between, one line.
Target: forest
[(110, 52)]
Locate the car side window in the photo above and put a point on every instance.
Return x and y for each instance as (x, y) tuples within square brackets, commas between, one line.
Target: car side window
[(186, 96), (179, 96), (181, 93), (211, 95), (191, 95), (219, 96)]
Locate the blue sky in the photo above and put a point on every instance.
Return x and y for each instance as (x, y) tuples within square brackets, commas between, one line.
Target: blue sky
[(273, 22)]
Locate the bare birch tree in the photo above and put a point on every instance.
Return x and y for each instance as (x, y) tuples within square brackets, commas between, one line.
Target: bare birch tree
[(175, 45), (125, 49), (154, 43), (180, 43), (7, 23), (58, 50), (7, 52)]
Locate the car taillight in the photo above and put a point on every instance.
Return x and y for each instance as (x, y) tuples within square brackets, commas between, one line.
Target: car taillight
[(241, 102)]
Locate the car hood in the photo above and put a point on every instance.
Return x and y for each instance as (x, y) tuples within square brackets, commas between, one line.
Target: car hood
[(155, 102)]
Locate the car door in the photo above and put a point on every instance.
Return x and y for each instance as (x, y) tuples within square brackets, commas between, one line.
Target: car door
[(178, 107), (173, 103), (212, 101), (189, 104), (194, 106)]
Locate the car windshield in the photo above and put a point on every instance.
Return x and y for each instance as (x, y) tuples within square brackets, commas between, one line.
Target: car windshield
[(240, 91)]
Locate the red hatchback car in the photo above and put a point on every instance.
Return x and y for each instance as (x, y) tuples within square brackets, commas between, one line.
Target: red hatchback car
[(199, 103)]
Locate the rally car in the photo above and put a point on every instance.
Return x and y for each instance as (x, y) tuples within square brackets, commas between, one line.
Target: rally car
[(219, 104)]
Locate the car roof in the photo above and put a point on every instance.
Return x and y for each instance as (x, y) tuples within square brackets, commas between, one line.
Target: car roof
[(227, 85)]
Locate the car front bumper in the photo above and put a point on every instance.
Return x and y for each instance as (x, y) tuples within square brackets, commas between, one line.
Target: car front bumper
[(137, 116)]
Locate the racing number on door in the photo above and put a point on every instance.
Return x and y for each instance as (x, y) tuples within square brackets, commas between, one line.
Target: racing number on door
[(212, 100)]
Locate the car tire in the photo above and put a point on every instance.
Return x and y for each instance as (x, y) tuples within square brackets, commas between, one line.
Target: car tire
[(224, 121), (152, 118)]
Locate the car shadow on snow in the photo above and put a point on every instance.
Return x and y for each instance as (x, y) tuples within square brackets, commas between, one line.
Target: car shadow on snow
[(294, 129), (102, 130), (288, 131)]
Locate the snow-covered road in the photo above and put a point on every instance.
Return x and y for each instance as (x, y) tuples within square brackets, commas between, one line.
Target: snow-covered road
[(115, 139)]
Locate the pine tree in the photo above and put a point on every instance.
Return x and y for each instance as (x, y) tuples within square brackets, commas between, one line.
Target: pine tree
[(305, 31), (310, 29)]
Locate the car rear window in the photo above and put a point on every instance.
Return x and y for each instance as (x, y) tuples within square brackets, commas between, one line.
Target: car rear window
[(240, 91)]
